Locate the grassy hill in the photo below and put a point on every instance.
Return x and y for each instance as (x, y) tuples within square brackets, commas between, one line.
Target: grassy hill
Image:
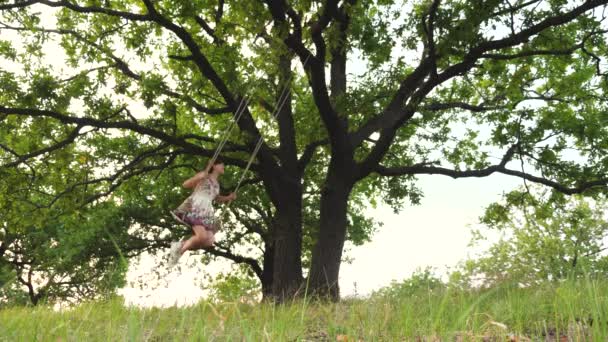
[(573, 310)]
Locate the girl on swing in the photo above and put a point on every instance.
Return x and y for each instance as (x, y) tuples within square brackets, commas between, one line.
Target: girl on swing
[(197, 210)]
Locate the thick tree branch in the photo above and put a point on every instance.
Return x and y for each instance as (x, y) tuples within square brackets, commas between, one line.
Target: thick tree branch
[(246, 123), (17, 4), (128, 125), (225, 252), (95, 9), (394, 111), (396, 118), (219, 13), (430, 33), (315, 66), (552, 52), (339, 55), (499, 168), (328, 12), (518, 38), (288, 150), (375, 156)]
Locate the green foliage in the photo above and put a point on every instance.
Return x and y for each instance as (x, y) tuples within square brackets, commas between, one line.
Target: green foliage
[(62, 256), (234, 287), (421, 282), (541, 238)]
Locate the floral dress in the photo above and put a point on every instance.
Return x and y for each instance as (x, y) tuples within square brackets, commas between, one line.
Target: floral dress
[(197, 209)]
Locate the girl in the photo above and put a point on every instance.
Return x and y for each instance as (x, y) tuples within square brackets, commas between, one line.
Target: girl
[(197, 210)]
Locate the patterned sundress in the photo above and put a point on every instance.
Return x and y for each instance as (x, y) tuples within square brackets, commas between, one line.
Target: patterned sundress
[(197, 209)]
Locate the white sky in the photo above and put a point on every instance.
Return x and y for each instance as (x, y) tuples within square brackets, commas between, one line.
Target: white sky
[(435, 233)]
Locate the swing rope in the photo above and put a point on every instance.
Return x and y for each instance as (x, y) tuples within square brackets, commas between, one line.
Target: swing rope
[(237, 116), (240, 110), (282, 100)]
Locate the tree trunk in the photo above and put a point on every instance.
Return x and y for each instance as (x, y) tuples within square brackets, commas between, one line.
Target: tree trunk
[(267, 271), (287, 266), (287, 231), (327, 253)]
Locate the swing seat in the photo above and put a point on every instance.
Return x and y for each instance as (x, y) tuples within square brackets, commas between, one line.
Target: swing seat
[(178, 218), (211, 223)]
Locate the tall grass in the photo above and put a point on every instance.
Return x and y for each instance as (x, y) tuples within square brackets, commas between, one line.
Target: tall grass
[(576, 309)]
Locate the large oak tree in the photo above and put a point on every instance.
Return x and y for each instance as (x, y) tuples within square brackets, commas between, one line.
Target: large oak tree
[(377, 93)]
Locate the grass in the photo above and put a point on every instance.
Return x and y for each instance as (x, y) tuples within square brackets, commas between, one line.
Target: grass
[(575, 309)]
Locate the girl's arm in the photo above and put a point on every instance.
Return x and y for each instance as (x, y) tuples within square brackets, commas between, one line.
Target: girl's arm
[(194, 180), (227, 198)]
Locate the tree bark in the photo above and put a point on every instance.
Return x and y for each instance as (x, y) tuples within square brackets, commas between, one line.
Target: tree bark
[(268, 270), (287, 231), (327, 253), (287, 266)]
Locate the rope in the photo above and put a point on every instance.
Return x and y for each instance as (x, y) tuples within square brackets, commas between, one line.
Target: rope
[(258, 145), (237, 116), (281, 103)]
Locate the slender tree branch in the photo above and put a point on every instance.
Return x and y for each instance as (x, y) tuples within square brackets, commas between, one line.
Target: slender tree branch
[(512, 9), (251, 226), (438, 106), (181, 58), (22, 158), (211, 32), (531, 53), (18, 4), (308, 153)]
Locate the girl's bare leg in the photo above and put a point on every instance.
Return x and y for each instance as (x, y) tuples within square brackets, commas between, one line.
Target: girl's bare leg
[(201, 239)]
